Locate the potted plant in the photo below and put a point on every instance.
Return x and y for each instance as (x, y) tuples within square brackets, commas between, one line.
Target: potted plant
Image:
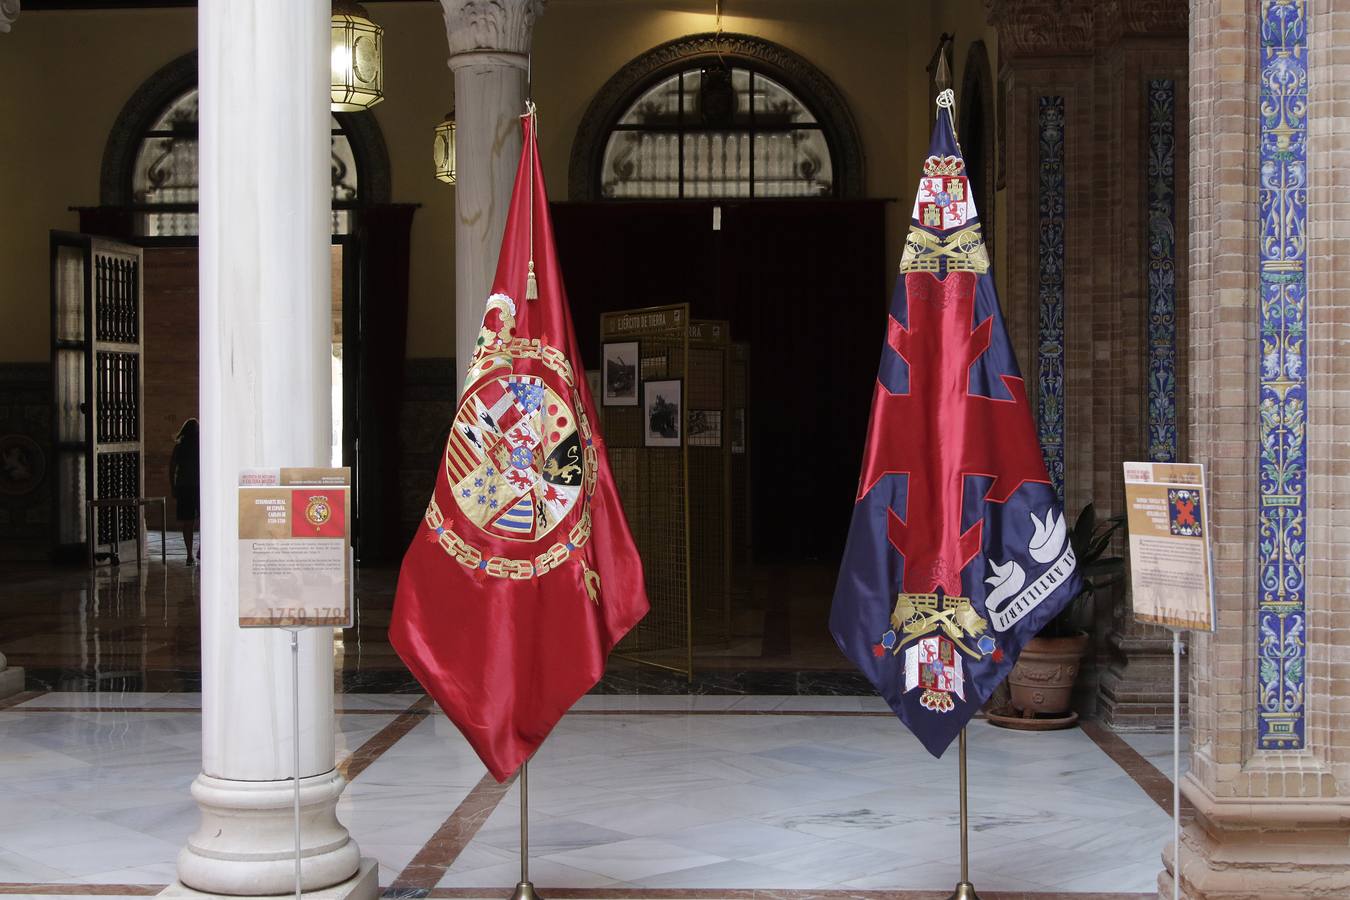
[(1043, 677)]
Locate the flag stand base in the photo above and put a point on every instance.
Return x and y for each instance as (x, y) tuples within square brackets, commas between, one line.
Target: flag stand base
[(964, 891), (525, 891)]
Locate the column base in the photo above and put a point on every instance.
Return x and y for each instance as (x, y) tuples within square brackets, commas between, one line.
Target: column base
[(365, 885), (11, 681), (1260, 850), (245, 846), (1135, 691)]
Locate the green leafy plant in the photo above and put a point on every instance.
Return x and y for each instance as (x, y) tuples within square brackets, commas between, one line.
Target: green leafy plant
[(1090, 539)]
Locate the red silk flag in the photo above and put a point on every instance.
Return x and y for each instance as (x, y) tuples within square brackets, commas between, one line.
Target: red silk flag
[(523, 575)]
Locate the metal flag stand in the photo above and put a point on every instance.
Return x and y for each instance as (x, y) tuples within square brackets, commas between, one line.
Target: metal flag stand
[(295, 743), (1177, 650), (964, 889), (525, 890)]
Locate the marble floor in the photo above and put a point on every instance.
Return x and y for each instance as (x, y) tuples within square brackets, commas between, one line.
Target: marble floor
[(726, 796), (124, 628)]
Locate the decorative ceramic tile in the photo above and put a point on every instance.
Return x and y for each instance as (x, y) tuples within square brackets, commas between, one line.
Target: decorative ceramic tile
[(1282, 415), (1050, 358), (1161, 271)]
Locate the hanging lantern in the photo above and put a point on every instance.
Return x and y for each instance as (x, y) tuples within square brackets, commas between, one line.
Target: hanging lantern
[(443, 152), (358, 58)]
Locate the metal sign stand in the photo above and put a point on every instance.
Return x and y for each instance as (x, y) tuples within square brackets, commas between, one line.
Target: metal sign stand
[(295, 743), (964, 889), (1177, 650), (525, 890)]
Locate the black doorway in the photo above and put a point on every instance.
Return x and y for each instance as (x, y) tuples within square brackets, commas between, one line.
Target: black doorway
[(804, 283)]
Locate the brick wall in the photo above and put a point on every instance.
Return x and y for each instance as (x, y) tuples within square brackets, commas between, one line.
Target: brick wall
[(1292, 841), (170, 303), (1099, 58)]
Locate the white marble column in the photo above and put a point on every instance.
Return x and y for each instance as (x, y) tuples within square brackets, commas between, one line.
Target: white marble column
[(264, 332), (11, 679), (9, 11), (489, 55)]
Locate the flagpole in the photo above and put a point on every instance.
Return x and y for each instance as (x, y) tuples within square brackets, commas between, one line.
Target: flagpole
[(964, 889), (525, 890)]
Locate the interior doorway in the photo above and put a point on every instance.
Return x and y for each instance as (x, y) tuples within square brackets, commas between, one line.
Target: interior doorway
[(171, 371), (802, 284)]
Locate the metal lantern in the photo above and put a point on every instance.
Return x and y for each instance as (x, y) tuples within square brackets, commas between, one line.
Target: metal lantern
[(358, 58), (444, 150)]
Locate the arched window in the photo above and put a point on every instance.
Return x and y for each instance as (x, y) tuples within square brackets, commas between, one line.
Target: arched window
[(713, 116), (151, 164)]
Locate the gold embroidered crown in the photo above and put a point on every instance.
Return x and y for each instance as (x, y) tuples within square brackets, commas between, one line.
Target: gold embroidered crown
[(943, 165)]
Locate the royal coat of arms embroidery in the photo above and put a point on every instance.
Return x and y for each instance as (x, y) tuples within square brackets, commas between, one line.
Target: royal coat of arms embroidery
[(932, 664), (524, 574)]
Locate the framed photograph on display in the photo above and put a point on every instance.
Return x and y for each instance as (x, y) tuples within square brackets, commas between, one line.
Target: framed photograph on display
[(661, 413), (619, 377), (705, 428)]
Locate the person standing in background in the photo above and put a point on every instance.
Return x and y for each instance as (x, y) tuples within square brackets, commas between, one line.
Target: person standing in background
[(185, 482)]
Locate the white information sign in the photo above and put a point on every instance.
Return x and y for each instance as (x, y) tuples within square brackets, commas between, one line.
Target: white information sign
[(295, 547), (1170, 568)]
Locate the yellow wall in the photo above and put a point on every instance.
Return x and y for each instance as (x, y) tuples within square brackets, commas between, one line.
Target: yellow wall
[(68, 74)]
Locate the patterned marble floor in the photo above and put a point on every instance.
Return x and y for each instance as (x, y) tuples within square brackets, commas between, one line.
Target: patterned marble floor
[(632, 796), (124, 628)]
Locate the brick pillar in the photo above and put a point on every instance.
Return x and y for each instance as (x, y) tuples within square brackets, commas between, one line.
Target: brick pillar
[(1139, 312), (1095, 61), (1270, 771)]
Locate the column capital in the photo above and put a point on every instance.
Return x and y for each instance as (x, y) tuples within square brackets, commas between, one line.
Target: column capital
[(9, 12), (490, 26), (1043, 27)]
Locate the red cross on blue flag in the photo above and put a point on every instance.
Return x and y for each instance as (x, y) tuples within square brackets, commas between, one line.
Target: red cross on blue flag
[(958, 552)]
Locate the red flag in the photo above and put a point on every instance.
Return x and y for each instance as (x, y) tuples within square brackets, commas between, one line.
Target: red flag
[(523, 575)]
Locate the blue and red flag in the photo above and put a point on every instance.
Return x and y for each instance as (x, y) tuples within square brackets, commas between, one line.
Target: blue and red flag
[(958, 551)]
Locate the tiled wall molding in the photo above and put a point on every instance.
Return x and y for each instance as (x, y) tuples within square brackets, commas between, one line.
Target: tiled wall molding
[(1282, 404)]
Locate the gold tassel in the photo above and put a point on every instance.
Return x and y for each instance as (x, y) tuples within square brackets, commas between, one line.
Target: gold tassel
[(531, 284)]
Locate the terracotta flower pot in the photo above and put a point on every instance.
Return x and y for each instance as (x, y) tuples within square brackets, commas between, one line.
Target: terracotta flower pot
[(1043, 676)]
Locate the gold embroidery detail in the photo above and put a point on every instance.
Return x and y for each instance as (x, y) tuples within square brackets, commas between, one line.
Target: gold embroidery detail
[(591, 579), (500, 566), (520, 569), (964, 251), (917, 615), (943, 165)]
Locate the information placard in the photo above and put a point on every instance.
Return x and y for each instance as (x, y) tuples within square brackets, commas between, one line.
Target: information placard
[(1170, 569), (295, 547)]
